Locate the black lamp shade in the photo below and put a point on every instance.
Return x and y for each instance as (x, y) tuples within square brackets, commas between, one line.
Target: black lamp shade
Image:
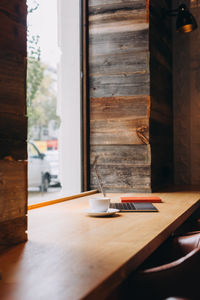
[(185, 21)]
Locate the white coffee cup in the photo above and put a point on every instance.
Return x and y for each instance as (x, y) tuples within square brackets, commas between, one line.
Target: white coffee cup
[(99, 204)]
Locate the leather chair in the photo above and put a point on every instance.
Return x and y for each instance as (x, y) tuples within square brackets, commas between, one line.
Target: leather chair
[(183, 244), (179, 277)]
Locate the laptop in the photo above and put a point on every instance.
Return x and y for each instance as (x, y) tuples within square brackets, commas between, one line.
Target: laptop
[(134, 207)]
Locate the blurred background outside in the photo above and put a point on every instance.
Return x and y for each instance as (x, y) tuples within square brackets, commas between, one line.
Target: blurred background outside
[(42, 105)]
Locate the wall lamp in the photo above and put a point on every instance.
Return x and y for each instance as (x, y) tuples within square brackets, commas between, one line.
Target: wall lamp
[(185, 21)]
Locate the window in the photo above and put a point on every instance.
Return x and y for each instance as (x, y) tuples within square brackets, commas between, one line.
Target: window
[(54, 56)]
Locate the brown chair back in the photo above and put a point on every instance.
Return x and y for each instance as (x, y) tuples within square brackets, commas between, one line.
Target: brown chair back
[(179, 278)]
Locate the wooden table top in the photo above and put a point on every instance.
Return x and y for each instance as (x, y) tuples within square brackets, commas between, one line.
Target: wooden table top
[(72, 256)]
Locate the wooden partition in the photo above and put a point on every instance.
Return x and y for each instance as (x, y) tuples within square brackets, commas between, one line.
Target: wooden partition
[(161, 112), (130, 94), (119, 94), (186, 102), (13, 122)]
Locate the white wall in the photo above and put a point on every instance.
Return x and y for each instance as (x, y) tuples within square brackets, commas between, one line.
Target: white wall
[(69, 95)]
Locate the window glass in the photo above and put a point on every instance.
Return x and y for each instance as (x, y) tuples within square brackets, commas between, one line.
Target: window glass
[(32, 151), (53, 99)]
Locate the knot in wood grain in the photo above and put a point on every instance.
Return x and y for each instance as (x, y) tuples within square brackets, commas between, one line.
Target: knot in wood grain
[(140, 133)]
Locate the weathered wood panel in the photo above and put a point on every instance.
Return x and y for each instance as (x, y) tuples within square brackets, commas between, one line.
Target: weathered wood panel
[(114, 11), (115, 120), (13, 26), (13, 122), (118, 42), (121, 167), (136, 155), (119, 89), (109, 11), (123, 178), (99, 7), (125, 15), (119, 85), (12, 82), (12, 232), (126, 62), (117, 131), (133, 107), (13, 189)]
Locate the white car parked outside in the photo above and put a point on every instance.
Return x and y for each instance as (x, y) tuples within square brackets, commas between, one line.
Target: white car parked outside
[(52, 157), (39, 170)]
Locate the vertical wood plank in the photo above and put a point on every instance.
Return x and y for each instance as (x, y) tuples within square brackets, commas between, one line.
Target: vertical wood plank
[(119, 93), (161, 114), (13, 122)]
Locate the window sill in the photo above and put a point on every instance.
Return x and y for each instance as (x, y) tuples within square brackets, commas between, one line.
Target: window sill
[(51, 202)]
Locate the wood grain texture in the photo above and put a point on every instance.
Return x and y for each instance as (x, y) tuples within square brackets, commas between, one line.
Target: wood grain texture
[(130, 58), (12, 232), (13, 27), (13, 122), (13, 197), (121, 167), (72, 256), (101, 12), (12, 82), (115, 120), (123, 178), (99, 7), (129, 155), (136, 62), (116, 15), (116, 131), (133, 107), (123, 84), (119, 88), (118, 42)]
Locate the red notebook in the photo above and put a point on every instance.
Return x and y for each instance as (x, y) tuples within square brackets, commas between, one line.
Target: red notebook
[(151, 199)]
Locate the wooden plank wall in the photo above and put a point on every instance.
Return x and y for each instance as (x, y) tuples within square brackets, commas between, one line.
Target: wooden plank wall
[(186, 102), (161, 115), (194, 91), (119, 94), (13, 122)]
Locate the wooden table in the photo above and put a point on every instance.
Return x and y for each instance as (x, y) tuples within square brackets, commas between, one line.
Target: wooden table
[(72, 256)]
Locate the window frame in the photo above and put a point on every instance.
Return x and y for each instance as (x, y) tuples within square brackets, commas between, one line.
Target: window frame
[(85, 96)]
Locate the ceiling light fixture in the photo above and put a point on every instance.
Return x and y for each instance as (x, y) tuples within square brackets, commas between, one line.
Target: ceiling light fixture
[(185, 21)]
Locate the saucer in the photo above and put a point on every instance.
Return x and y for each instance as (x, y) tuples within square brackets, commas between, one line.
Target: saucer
[(109, 212)]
